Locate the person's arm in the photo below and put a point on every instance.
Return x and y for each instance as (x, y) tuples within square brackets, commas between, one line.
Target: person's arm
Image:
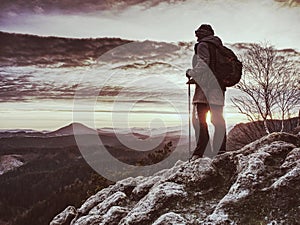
[(202, 61), (203, 52)]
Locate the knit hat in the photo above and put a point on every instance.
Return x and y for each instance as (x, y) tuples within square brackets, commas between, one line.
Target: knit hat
[(205, 28)]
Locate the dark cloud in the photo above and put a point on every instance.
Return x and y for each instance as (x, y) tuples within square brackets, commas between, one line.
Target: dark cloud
[(9, 7), (22, 50), (23, 88)]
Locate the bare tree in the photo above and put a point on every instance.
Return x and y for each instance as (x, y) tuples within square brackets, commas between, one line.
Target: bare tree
[(267, 84), (288, 98)]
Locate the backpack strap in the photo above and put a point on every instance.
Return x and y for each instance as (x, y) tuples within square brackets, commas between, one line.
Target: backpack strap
[(212, 56), (212, 48), (212, 53), (195, 48)]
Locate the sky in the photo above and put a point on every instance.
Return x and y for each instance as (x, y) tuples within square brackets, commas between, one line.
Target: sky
[(234, 21)]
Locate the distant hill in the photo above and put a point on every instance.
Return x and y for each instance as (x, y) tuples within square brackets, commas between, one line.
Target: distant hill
[(72, 128), (245, 133), (12, 142)]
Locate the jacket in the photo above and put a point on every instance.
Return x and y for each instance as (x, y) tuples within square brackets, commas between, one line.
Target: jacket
[(207, 89)]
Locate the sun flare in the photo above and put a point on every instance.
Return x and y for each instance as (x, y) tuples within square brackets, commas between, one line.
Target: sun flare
[(208, 117)]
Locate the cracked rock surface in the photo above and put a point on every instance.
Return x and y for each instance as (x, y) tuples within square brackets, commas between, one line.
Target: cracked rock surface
[(258, 184)]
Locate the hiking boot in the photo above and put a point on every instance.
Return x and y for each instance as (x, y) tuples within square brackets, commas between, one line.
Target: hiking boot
[(221, 152), (194, 157)]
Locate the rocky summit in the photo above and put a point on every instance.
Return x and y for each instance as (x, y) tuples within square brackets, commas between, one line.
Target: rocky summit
[(258, 184)]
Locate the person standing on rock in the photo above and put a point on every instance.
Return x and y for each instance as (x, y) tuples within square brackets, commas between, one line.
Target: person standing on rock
[(209, 94)]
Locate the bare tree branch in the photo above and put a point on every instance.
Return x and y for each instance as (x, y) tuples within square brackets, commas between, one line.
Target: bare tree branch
[(270, 84)]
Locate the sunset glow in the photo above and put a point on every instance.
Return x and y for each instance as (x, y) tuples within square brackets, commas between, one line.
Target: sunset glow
[(41, 97)]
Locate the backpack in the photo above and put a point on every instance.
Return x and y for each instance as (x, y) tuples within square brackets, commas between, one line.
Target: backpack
[(225, 65)]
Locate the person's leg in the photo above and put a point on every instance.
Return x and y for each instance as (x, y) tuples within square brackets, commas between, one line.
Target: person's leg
[(203, 138), (195, 122), (217, 119)]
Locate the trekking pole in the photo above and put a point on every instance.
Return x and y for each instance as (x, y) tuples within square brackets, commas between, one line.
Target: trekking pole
[(189, 107)]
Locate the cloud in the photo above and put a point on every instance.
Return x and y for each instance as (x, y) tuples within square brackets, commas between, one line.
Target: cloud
[(234, 21), (10, 8), (28, 88)]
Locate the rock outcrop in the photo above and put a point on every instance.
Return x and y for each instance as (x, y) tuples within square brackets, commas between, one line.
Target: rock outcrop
[(10, 162), (258, 184)]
